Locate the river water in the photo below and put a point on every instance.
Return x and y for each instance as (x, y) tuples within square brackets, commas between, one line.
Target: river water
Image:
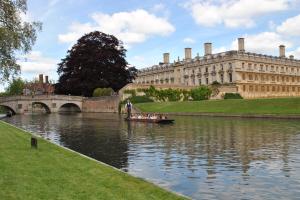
[(201, 157)]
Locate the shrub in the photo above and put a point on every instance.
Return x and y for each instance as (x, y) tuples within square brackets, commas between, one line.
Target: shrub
[(132, 92), (99, 92), (232, 96), (201, 93), (173, 94), (139, 99)]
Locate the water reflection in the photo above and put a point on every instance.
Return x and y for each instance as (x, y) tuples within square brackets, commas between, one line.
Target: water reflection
[(202, 157)]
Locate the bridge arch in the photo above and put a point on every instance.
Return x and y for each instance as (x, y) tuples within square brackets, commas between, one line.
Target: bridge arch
[(69, 107), (44, 105), (8, 108)]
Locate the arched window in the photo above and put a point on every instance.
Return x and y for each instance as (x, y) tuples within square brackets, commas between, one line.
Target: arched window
[(230, 77)]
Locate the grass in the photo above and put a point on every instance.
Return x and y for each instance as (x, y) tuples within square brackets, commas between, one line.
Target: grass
[(284, 106), (51, 172)]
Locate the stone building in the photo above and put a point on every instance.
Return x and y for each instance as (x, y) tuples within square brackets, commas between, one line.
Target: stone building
[(252, 75)]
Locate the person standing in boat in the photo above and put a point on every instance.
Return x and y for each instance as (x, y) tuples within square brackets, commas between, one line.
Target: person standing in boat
[(128, 108)]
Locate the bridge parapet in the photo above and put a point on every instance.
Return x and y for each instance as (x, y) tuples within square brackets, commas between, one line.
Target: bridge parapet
[(41, 97)]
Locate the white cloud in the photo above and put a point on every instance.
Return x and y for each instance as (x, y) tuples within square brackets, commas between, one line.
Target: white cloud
[(159, 7), (233, 13), (130, 27), (295, 53), (219, 49), (264, 43), (189, 40), (290, 26), (36, 63)]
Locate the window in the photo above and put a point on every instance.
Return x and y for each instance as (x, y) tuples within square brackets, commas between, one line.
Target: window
[(19, 106), (244, 88), (222, 78), (206, 81), (206, 69), (199, 81), (250, 77), (243, 65), (243, 76), (250, 88), (230, 77)]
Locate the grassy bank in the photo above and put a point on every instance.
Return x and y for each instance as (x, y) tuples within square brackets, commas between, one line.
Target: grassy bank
[(286, 106), (51, 172)]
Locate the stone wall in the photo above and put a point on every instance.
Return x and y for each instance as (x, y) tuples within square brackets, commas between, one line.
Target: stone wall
[(107, 104)]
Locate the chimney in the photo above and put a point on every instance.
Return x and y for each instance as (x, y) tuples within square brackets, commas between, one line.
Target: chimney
[(166, 58), (207, 49), (241, 44), (46, 79), (41, 79), (188, 53), (282, 51), (291, 57)]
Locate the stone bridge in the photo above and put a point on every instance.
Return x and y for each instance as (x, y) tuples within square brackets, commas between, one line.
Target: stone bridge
[(60, 103), (51, 103)]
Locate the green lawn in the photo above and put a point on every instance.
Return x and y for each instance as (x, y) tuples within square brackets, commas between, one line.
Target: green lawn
[(284, 106), (51, 172)]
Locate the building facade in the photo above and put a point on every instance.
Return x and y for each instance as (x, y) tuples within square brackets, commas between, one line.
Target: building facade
[(254, 75)]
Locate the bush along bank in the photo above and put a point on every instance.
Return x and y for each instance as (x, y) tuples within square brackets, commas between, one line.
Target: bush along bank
[(164, 95)]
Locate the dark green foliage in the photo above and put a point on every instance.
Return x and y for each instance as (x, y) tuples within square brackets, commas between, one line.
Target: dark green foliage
[(99, 92), (132, 92), (16, 36), (166, 94), (15, 87), (139, 99), (201, 93), (3, 94), (172, 94), (97, 60), (232, 96)]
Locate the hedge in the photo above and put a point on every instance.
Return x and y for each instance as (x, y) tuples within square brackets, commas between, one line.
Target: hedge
[(232, 96)]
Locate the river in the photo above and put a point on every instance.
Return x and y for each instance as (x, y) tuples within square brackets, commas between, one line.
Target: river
[(201, 157)]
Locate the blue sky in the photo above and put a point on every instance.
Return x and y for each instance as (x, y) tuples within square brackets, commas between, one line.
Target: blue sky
[(150, 28)]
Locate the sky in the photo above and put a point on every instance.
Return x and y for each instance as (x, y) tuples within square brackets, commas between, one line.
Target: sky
[(150, 28)]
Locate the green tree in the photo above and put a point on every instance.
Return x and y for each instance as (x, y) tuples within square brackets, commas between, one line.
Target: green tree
[(97, 60), (99, 92), (15, 87), (201, 93), (15, 36)]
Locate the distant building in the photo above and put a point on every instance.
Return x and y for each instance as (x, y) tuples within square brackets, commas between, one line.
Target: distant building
[(40, 87), (253, 75)]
